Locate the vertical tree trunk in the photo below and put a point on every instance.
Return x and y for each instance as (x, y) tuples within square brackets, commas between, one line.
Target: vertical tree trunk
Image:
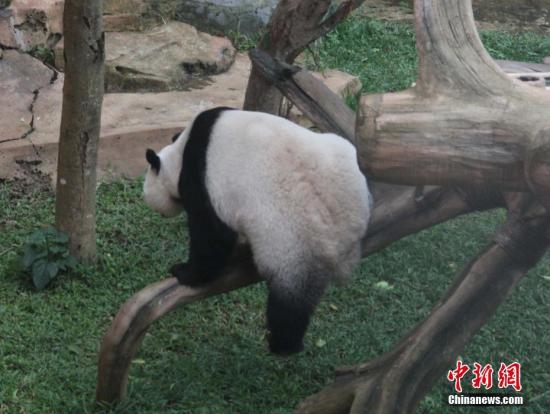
[(80, 125)]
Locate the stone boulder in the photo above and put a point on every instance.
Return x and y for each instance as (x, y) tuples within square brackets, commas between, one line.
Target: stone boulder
[(174, 56), (26, 24), (21, 79)]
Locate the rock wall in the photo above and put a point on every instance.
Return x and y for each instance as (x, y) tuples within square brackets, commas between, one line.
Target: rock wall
[(213, 16), (26, 24)]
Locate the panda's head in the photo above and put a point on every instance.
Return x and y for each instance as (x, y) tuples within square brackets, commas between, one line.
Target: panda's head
[(160, 189)]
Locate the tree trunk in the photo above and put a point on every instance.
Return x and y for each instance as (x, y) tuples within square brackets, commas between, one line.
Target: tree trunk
[(80, 125), (294, 24)]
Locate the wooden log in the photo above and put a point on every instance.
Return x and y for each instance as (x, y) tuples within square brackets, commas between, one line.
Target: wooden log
[(397, 381), (401, 213), (464, 123), (515, 66), (538, 166), (323, 107), (123, 338), (294, 24)]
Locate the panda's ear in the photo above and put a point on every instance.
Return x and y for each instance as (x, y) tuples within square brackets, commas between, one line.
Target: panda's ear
[(153, 159)]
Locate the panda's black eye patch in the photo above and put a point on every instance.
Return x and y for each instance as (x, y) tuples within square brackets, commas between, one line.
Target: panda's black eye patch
[(176, 136), (153, 159)]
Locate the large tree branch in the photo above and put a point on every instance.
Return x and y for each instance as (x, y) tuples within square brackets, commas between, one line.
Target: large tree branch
[(293, 25), (400, 213), (325, 109), (397, 381), (464, 123), (136, 315)]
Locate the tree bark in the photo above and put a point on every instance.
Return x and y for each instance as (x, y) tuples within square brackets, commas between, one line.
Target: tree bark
[(294, 24), (80, 125)]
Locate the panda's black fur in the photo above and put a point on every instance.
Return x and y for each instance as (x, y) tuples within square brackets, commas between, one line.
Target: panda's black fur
[(211, 240)]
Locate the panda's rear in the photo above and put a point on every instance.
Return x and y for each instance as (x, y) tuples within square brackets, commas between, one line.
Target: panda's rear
[(286, 188), (297, 197)]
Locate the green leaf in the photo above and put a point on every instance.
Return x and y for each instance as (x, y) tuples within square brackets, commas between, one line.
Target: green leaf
[(52, 269), (40, 275), (74, 349), (37, 238), (29, 256), (58, 249), (61, 238), (71, 262)]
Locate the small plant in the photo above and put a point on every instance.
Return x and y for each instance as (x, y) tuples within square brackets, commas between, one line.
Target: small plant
[(243, 42), (45, 255)]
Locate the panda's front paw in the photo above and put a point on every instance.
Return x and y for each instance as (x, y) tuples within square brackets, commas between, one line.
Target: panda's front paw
[(185, 274)]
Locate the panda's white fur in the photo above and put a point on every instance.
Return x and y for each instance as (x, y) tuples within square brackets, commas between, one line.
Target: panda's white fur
[(295, 196)]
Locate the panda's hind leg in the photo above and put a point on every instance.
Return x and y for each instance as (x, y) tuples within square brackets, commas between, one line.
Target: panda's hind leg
[(291, 302)]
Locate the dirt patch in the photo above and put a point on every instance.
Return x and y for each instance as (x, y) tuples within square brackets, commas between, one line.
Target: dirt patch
[(31, 182)]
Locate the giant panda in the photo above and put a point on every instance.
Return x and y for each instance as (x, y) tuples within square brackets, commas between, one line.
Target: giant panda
[(297, 199)]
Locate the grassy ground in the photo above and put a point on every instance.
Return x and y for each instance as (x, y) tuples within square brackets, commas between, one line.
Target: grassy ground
[(211, 357), (383, 54)]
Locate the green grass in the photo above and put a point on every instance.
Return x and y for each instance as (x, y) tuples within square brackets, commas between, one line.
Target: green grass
[(383, 54), (211, 357)]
